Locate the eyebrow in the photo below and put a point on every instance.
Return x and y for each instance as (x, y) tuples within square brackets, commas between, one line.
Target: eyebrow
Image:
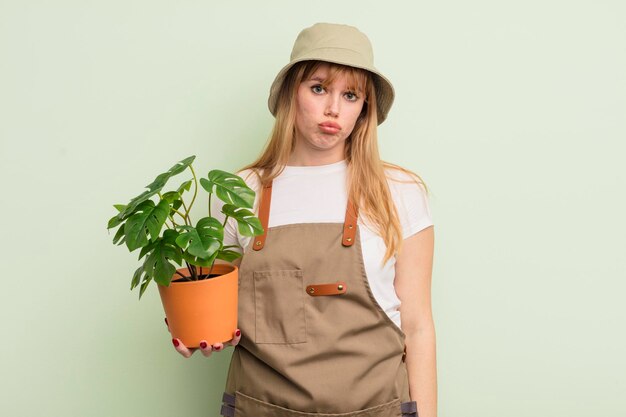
[(321, 79)]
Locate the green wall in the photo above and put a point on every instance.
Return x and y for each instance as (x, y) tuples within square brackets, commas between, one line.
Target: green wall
[(512, 112)]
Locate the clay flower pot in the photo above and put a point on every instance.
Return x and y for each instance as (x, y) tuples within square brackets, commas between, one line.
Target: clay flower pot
[(205, 309), (196, 307)]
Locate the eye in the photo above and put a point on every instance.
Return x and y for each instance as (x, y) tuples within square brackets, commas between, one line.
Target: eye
[(316, 86), (354, 95)]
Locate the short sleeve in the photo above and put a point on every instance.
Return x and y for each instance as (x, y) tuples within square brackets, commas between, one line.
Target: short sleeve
[(231, 230), (411, 202)]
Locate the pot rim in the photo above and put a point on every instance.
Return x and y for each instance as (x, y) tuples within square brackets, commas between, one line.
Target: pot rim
[(224, 269)]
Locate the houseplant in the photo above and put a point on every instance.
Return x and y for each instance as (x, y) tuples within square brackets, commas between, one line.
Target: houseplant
[(197, 305)]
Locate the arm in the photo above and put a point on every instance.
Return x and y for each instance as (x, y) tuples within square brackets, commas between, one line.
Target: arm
[(413, 283)]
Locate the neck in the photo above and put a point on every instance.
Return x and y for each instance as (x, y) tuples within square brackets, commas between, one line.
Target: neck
[(314, 160)]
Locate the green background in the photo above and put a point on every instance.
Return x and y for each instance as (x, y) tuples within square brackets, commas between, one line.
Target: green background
[(512, 112)]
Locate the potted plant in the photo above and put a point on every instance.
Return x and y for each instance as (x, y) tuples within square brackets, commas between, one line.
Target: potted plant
[(200, 299)]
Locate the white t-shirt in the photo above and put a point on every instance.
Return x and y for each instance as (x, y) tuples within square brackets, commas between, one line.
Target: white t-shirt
[(317, 194)]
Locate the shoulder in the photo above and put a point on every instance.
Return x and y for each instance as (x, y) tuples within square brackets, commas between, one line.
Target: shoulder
[(402, 180), (410, 196), (250, 177)]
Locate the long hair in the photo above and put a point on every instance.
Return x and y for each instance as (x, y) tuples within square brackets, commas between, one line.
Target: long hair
[(366, 178)]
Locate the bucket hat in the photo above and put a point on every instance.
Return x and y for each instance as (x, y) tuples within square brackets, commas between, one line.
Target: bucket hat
[(340, 44)]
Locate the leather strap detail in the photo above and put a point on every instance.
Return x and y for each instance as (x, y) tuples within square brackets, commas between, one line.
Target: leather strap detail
[(334, 288), (228, 399), (264, 215), (409, 409), (228, 408), (349, 225), (227, 411)]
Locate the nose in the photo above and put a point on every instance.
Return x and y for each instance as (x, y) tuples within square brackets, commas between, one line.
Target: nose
[(332, 106)]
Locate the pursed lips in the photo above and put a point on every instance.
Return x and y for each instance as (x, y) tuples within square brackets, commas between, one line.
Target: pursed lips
[(331, 124), (330, 127)]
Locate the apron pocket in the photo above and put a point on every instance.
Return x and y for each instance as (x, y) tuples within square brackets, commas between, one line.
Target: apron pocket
[(247, 406), (279, 306)]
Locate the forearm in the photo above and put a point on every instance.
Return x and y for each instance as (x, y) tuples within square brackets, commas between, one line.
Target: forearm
[(422, 369)]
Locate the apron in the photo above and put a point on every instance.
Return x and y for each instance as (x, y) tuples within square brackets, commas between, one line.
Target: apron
[(314, 339)]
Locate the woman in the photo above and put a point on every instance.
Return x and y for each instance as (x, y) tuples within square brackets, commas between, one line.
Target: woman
[(320, 289)]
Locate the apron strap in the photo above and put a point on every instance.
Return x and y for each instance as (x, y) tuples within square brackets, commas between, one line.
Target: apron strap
[(264, 215), (349, 224)]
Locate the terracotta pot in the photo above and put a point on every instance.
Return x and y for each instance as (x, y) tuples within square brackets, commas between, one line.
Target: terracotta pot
[(205, 309)]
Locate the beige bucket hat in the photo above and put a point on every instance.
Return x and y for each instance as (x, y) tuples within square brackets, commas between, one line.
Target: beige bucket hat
[(341, 44)]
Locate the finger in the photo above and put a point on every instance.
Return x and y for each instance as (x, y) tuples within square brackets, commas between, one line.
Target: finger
[(182, 349), (168, 325), (205, 348), (218, 347), (236, 338)]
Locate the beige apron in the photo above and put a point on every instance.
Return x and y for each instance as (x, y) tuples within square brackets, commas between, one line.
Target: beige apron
[(314, 339)]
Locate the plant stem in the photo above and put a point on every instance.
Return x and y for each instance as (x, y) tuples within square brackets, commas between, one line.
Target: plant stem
[(195, 191), (211, 268), (185, 218), (190, 269)]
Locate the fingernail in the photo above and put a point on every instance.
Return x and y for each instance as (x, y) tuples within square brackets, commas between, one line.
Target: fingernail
[(237, 333), (218, 348), (176, 343), (203, 345)]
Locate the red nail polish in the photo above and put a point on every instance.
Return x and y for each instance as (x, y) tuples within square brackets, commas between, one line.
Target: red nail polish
[(175, 342), (218, 348), (203, 345), (237, 333)]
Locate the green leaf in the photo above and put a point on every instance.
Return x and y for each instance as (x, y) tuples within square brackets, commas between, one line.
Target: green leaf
[(174, 198), (185, 186), (176, 204), (155, 186), (247, 223), (229, 188), (228, 255), (157, 265), (180, 166), (144, 285), (194, 260), (171, 196), (147, 219), (118, 235), (203, 240), (114, 221), (146, 249), (136, 277)]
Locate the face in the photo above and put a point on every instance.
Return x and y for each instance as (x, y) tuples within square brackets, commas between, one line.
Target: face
[(335, 106)]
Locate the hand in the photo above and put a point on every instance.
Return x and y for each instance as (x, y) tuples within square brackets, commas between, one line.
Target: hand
[(207, 349)]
